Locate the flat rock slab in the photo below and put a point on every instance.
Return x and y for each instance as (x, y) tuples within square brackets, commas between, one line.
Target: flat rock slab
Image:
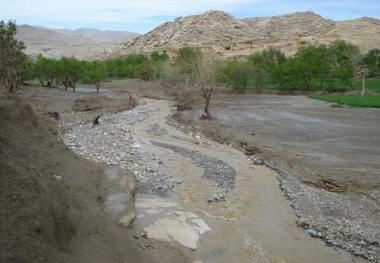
[(166, 220)]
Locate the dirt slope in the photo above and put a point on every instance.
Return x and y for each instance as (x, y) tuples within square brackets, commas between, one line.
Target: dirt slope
[(51, 200)]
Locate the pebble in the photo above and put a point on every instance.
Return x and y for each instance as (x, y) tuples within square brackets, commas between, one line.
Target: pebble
[(336, 218), (109, 143)]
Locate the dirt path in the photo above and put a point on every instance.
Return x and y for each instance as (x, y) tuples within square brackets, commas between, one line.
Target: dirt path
[(210, 197)]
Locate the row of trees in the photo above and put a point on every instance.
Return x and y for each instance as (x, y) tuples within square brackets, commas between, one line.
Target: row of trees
[(311, 67), (321, 67), (16, 67), (70, 71)]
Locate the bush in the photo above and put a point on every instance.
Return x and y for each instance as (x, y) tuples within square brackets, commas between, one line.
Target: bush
[(185, 96)]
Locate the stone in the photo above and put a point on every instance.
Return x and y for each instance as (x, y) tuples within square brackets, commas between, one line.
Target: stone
[(122, 177), (122, 207)]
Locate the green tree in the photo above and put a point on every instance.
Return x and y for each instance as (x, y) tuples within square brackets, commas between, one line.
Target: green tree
[(28, 71), (265, 63), (236, 74), (344, 58), (372, 60), (94, 73), (46, 70), (268, 58), (309, 68), (69, 71), (287, 75), (156, 65), (159, 57), (12, 57), (313, 65), (187, 62)]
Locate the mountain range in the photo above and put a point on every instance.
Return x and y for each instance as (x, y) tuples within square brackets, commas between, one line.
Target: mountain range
[(212, 31)]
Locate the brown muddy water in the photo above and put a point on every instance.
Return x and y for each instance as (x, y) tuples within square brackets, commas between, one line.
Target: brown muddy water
[(338, 144)]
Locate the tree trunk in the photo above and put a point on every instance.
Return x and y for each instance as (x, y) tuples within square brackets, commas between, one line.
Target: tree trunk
[(363, 85), (207, 111), (207, 95)]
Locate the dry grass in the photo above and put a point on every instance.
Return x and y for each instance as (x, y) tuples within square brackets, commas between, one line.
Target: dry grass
[(185, 96)]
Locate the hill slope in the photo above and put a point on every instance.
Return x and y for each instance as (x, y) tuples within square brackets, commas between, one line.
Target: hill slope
[(228, 36), (53, 44), (96, 34)]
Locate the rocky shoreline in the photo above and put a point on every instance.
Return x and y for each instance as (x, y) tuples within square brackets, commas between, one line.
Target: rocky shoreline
[(325, 215), (319, 212)]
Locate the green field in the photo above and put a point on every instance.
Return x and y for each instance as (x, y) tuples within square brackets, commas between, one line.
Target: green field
[(354, 101), (370, 84)]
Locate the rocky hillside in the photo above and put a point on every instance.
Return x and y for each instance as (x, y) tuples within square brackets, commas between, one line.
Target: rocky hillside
[(53, 44), (288, 27), (228, 36)]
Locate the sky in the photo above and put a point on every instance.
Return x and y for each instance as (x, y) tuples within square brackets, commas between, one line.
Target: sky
[(142, 16)]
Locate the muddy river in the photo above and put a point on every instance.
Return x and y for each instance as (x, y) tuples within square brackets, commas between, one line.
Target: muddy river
[(211, 198), (253, 223)]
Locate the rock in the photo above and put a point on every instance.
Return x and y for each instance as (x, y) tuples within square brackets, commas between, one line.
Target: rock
[(313, 232), (122, 207), (120, 176), (58, 177)]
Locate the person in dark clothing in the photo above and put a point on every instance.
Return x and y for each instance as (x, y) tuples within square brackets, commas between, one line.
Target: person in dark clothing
[(55, 115), (96, 121)]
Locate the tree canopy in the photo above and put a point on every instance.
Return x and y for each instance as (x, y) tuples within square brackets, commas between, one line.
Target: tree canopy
[(12, 57)]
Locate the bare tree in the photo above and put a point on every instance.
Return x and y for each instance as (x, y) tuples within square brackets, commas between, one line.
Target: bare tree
[(207, 81), (192, 75), (362, 72)]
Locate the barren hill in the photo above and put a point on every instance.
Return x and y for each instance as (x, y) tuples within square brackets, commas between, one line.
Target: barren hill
[(54, 44), (227, 36)]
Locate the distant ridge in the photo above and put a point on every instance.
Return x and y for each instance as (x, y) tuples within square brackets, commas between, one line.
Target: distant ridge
[(97, 34), (81, 43)]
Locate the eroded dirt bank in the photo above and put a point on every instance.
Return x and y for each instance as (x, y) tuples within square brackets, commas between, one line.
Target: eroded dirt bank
[(51, 199)]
